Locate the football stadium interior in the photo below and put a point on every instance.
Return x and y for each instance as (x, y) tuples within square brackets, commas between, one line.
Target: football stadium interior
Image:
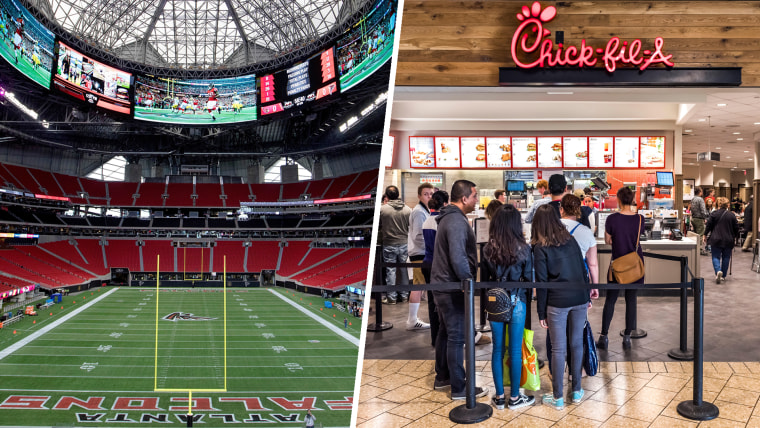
[(223, 154)]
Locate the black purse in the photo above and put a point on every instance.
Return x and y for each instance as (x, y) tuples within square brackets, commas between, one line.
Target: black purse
[(499, 302)]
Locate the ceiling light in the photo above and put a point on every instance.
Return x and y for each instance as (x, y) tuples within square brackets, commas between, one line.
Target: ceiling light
[(746, 151), (705, 120), (757, 123), (560, 93), (737, 133), (717, 148), (740, 139), (722, 104), (750, 158), (728, 157), (688, 130)]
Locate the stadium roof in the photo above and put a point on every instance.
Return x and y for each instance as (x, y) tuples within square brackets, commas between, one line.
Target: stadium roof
[(200, 34)]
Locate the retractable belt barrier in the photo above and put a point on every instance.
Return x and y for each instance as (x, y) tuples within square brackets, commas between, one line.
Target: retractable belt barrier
[(473, 412)]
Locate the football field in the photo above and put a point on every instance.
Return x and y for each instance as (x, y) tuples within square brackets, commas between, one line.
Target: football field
[(201, 117), (24, 65), (116, 356)]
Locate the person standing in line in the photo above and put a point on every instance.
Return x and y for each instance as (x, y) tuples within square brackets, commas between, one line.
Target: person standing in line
[(394, 217), (542, 186), (720, 233), (508, 256), (558, 258), (571, 213), (500, 195), (309, 420), (748, 212), (698, 216), (455, 259), (558, 189), (416, 245), (622, 232), (439, 200)]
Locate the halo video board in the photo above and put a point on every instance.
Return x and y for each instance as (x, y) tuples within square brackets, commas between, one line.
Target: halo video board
[(28, 46)]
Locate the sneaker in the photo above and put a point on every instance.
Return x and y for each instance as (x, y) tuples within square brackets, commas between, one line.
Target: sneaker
[(521, 401), (498, 402), (441, 384), (577, 396), (723, 279), (479, 392), (389, 301), (482, 339), (718, 277), (557, 403), (418, 325)]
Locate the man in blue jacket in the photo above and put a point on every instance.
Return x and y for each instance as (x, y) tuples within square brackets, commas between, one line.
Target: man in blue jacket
[(454, 260)]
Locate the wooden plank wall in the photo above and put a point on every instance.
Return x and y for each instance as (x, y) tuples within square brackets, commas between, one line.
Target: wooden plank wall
[(463, 43)]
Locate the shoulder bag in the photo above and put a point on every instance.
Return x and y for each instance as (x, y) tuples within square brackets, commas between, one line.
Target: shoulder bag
[(628, 268), (499, 303)]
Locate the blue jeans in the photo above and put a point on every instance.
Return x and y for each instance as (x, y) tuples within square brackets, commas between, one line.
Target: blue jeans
[(516, 327), (563, 322), (718, 254), (396, 254), (449, 345)]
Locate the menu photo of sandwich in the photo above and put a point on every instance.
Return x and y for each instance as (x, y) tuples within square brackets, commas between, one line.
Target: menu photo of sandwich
[(473, 152), (524, 152), (499, 151)]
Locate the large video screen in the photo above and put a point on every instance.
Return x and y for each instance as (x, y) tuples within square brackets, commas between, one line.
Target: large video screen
[(92, 81), (27, 45), (195, 102), (306, 82), (367, 45)]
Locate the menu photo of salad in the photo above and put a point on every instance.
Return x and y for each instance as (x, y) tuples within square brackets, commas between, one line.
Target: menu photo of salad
[(524, 152), (653, 152), (447, 152), (499, 152), (549, 152), (422, 152), (575, 152), (626, 152), (600, 152), (473, 152)]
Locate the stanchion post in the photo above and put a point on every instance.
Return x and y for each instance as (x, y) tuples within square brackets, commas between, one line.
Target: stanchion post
[(683, 352), (472, 412), (697, 409), (483, 326), (379, 324)]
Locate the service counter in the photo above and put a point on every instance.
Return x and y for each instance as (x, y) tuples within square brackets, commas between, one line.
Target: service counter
[(657, 270)]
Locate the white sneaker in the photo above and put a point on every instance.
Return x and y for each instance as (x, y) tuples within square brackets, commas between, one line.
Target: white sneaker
[(718, 277), (418, 325)]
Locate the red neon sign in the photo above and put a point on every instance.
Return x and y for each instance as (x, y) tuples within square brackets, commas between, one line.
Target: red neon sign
[(614, 53)]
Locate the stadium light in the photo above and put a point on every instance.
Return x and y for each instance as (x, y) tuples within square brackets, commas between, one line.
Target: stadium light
[(12, 98)]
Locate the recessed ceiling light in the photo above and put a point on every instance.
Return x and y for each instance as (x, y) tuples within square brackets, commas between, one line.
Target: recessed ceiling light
[(687, 130), (757, 123), (722, 104), (728, 157), (746, 151), (560, 93), (750, 158), (715, 165), (740, 139), (705, 120), (737, 133), (717, 148)]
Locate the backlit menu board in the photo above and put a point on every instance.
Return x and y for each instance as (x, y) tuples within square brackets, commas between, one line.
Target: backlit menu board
[(421, 152), (600, 150), (499, 152), (447, 152), (653, 152), (549, 152), (308, 81), (575, 152), (387, 151), (473, 152), (524, 152), (626, 152)]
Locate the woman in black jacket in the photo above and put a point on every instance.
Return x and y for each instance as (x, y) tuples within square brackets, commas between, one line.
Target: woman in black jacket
[(558, 258), (507, 256), (721, 231)]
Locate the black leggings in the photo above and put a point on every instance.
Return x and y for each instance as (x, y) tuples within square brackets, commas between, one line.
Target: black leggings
[(609, 310)]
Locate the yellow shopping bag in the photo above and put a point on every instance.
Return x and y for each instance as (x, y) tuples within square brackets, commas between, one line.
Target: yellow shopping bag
[(529, 378)]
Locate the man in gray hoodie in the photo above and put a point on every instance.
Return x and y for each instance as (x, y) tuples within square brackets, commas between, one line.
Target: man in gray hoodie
[(454, 259), (394, 223)]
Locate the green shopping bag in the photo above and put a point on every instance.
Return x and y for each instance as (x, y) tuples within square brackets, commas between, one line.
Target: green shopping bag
[(529, 378)]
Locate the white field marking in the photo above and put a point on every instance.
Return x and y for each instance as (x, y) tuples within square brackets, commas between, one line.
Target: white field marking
[(21, 343), (100, 391), (248, 366), (229, 357), (79, 376), (317, 318)]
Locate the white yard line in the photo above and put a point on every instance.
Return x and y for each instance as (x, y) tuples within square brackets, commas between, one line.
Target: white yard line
[(317, 318), (25, 341)]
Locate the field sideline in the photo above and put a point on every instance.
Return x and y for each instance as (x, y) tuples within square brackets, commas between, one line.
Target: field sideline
[(98, 367)]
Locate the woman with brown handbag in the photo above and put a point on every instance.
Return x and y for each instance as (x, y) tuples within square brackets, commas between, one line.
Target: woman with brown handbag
[(622, 232)]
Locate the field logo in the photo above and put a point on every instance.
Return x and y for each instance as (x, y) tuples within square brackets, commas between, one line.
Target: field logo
[(184, 316), (532, 38)]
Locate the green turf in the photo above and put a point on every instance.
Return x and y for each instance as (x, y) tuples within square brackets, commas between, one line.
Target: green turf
[(275, 355), (24, 65), (201, 117)]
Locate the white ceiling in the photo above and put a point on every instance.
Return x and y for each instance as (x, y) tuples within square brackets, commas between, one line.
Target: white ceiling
[(575, 109)]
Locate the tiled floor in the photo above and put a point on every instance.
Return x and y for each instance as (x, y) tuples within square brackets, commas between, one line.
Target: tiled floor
[(638, 388), (399, 393)]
